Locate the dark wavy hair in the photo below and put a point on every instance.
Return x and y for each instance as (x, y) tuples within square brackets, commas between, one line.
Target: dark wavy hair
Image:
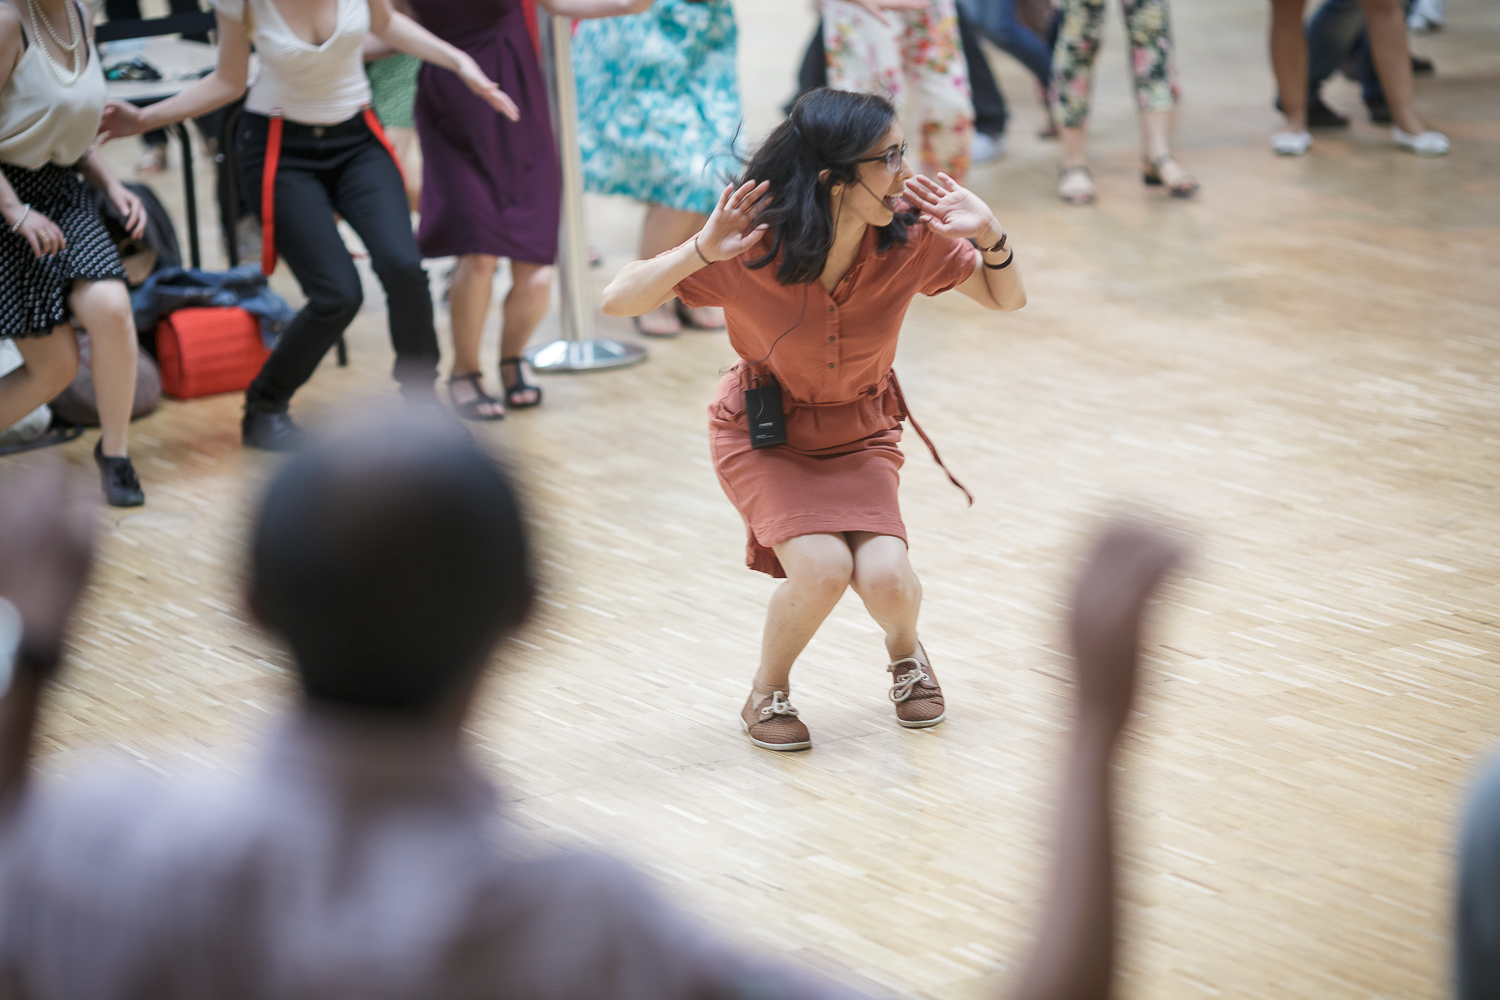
[(825, 130)]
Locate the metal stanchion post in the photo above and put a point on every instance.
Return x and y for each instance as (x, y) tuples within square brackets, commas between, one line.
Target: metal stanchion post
[(579, 350)]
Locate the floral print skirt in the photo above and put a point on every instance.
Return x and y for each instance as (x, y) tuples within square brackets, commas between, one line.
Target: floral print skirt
[(659, 103), (918, 54)]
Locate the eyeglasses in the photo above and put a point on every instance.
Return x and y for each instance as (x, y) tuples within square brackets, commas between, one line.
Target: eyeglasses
[(892, 158)]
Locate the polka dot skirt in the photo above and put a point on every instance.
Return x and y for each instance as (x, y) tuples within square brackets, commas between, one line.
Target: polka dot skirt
[(34, 290)]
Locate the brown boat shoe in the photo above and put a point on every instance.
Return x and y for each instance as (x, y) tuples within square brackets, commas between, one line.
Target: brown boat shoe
[(772, 723), (918, 698)]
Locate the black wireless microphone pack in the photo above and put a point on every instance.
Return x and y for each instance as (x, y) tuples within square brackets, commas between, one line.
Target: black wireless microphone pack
[(763, 414)]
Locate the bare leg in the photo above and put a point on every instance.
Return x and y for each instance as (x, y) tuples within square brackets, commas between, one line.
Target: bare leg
[(50, 363), (527, 302), (1386, 22), (1289, 61), (1075, 186), (468, 305), (1075, 144), (409, 155), (103, 309), (1155, 126), (884, 580), (664, 229), (818, 568)]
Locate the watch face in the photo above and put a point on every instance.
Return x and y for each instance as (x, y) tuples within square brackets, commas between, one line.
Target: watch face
[(10, 642)]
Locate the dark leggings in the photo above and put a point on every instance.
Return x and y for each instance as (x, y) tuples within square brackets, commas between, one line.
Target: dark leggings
[(339, 168)]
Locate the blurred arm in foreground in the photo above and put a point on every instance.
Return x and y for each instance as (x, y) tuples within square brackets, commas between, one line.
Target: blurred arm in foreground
[(1074, 957)]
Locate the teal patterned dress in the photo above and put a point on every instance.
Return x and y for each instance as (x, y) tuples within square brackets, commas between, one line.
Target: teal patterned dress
[(659, 103)]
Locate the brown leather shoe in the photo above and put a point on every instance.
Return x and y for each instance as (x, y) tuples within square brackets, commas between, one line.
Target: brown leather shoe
[(918, 698), (772, 723)]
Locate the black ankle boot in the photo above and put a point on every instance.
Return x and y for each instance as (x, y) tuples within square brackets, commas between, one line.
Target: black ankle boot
[(271, 431), (117, 475)]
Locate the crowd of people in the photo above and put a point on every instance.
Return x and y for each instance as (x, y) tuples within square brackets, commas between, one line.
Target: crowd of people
[(347, 89)]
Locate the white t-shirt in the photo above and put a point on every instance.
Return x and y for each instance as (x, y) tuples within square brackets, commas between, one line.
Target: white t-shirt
[(313, 84)]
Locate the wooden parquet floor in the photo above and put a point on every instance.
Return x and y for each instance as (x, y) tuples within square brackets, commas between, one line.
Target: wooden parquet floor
[(1300, 371)]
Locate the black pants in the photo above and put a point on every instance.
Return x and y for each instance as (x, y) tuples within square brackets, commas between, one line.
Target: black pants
[(990, 114), (339, 168)]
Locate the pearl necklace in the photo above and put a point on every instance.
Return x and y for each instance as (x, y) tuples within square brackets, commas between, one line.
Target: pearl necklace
[(75, 34)]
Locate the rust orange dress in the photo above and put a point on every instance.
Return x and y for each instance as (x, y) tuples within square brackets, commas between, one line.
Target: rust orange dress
[(841, 464)]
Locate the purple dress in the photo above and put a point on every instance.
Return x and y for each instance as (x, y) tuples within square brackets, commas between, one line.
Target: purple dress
[(489, 185)]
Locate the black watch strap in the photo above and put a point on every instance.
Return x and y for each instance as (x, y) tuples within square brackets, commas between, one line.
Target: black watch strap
[(1002, 265)]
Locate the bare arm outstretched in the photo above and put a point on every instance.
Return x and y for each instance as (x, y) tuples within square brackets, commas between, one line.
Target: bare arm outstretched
[(1074, 956), (47, 522)]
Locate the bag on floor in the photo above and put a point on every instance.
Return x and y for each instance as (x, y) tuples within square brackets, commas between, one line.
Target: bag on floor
[(175, 288), (78, 405), (203, 351), (155, 249)]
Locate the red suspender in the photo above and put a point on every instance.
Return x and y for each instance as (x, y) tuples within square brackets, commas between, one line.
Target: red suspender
[(268, 196), (374, 124), (268, 182)]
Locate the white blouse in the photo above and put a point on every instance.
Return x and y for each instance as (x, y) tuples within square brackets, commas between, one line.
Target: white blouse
[(312, 84), (44, 120)]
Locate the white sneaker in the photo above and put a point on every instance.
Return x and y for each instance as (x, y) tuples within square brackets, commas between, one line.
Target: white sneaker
[(1291, 143), (986, 149), (1426, 15), (1426, 144)]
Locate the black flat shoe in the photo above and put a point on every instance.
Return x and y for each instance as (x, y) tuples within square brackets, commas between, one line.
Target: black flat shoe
[(1319, 115), (471, 409), (271, 431), (1380, 111), (117, 475), (515, 393)]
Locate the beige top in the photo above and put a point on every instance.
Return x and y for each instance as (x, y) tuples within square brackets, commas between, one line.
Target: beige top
[(355, 862), (42, 119), (312, 84)]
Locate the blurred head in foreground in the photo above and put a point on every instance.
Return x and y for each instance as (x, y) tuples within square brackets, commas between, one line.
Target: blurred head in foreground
[(391, 559)]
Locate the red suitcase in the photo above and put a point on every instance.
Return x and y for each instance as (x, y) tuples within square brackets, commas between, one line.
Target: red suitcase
[(205, 351)]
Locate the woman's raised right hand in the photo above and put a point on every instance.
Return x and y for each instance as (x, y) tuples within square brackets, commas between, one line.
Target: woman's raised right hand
[(731, 229), (42, 233), (120, 118)]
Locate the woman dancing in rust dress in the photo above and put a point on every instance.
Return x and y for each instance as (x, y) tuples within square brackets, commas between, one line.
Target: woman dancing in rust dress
[(815, 259)]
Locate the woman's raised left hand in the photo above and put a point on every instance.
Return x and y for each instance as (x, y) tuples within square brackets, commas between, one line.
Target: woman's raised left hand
[(951, 209), (473, 77)]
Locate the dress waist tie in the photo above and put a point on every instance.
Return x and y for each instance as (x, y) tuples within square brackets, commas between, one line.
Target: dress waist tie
[(907, 415), (268, 180)]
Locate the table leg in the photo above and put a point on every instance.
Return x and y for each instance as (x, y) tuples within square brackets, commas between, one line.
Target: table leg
[(189, 194)]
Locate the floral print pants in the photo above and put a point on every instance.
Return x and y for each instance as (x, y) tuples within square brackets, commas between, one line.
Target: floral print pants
[(1149, 27), (918, 54)]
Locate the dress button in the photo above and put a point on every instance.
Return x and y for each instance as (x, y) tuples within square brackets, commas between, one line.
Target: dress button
[(830, 364), (832, 339), (830, 308), (317, 131)]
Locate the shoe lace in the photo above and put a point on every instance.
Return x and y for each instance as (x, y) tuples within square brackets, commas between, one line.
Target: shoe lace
[(780, 705), (907, 682), (123, 475)]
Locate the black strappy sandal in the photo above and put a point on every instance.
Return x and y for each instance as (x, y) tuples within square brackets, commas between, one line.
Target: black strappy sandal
[(469, 409), (521, 386)]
